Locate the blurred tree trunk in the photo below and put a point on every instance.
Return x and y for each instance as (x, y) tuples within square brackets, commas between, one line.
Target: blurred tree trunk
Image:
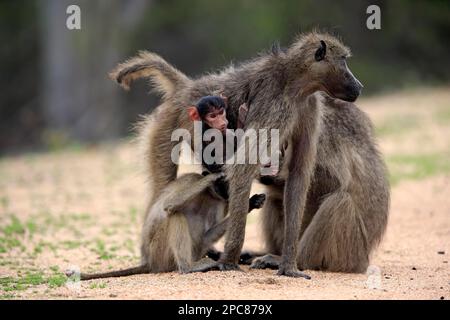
[(78, 98)]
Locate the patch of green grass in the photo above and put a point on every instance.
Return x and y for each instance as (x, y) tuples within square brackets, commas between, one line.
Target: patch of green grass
[(54, 268), (41, 245), (8, 243), (414, 167), (108, 232), (80, 216), (15, 227), (34, 279), (56, 280), (100, 249), (9, 284), (31, 226), (31, 279), (99, 285), (38, 249), (397, 125), (70, 244), (7, 296)]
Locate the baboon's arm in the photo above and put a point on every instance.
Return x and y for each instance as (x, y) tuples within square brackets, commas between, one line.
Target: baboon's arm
[(304, 139), (176, 200)]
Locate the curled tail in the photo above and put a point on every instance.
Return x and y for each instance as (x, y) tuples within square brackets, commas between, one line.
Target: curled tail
[(111, 274), (166, 79)]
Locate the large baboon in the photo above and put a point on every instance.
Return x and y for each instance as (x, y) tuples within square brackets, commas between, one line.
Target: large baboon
[(335, 175)]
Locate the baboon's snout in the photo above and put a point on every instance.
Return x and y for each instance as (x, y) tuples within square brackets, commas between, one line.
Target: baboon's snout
[(353, 88)]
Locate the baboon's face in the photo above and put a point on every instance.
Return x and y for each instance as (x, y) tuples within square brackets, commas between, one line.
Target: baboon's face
[(332, 74)]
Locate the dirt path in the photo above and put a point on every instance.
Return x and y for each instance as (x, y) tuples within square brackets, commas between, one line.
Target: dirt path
[(83, 208)]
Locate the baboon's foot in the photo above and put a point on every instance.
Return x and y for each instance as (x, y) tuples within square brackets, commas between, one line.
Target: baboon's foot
[(216, 266), (247, 257), (213, 254), (183, 269), (291, 271), (269, 261), (225, 266), (203, 265)]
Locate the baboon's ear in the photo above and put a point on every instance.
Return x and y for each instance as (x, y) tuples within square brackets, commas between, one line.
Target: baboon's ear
[(193, 114), (321, 52)]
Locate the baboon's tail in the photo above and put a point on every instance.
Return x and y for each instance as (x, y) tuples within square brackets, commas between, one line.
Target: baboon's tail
[(111, 274), (165, 78)]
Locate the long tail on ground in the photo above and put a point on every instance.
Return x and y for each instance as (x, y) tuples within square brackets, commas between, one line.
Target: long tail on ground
[(117, 273), (166, 79)]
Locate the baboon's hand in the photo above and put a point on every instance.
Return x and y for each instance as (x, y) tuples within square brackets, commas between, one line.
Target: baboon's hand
[(212, 177), (292, 272), (257, 201)]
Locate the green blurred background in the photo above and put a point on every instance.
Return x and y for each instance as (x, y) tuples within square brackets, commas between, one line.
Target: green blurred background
[(54, 85)]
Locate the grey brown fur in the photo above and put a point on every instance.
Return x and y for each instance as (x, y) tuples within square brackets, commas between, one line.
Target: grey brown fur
[(331, 209), (183, 223)]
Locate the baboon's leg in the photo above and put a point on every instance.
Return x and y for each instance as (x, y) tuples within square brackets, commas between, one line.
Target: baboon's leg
[(214, 234), (336, 239), (304, 146), (180, 242), (240, 180), (273, 225), (273, 230)]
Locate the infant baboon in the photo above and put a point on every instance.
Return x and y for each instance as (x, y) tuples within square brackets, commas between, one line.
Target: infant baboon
[(184, 222), (334, 202)]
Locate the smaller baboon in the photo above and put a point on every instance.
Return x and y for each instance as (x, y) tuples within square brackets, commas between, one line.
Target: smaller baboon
[(185, 221)]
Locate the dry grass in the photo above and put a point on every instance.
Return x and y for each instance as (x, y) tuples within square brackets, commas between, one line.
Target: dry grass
[(83, 207)]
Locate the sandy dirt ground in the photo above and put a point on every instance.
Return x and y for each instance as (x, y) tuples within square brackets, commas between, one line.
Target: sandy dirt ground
[(82, 207)]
